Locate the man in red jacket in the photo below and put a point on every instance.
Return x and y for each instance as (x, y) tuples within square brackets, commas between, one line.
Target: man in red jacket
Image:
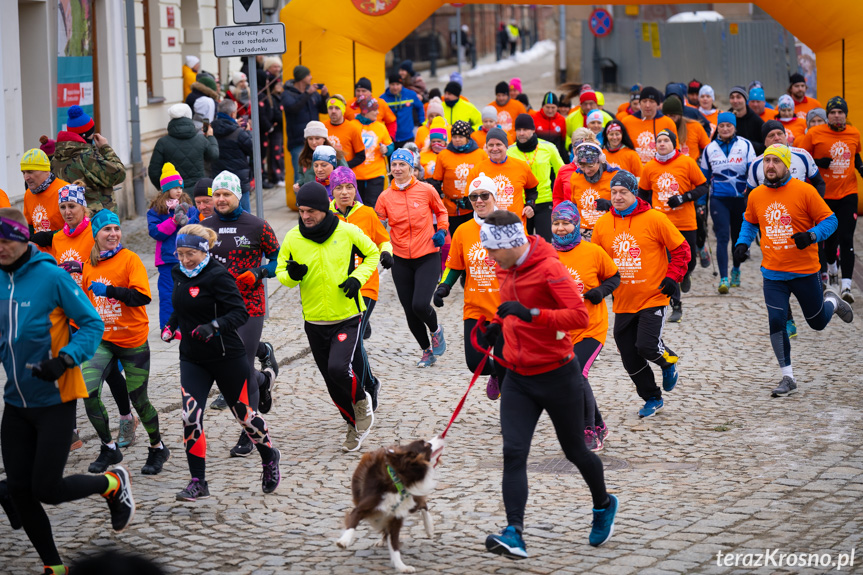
[(541, 304)]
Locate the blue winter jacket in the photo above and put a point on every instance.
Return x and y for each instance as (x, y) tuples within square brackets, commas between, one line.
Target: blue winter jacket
[(36, 303), (727, 165), (408, 109), (165, 233)]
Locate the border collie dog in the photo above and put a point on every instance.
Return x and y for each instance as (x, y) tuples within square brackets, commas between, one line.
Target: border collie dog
[(387, 485)]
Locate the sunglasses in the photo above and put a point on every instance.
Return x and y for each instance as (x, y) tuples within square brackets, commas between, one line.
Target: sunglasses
[(484, 196)]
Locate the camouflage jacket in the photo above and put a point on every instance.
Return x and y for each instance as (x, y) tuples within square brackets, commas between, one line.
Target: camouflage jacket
[(100, 169)]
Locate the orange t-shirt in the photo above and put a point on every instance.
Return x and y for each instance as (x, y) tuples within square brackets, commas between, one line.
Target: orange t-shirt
[(77, 248), (621, 109), (643, 134), (841, 147), (374, 165), (428, 159), (365, 218), (479, 137), (589, 266), (511, 177), (794, 131), (768, 114), (42, 210), (676, 177), (453, 169), (696, 140), (585, 194), (481, 296), (638, 245), (4, 200), (713, 118), (347, 137), (124, 326), (625, 159), (781, 213), (802, 108), (507, 114)]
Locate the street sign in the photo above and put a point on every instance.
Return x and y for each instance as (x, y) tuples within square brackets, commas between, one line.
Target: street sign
[(601, 23), (247, 12), (250, 40)]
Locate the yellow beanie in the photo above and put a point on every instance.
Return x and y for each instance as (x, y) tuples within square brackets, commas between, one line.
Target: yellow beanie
[(781, 152), (35, 160)]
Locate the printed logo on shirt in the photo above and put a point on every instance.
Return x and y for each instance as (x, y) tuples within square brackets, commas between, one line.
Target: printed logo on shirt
[(627, 255), (227, 230), (505, 191), (342, 336), (480, 266), (645, 145), (335, 142), (841, 154), (505, 120), (370, 143), (194, 291), (667, 186), (429, 169), (587, 207), (790, 136), (72, 255), (40, 219), (242, 241), (109, 309), (578, 283), (778, 227), (461, 173), (684, 150)]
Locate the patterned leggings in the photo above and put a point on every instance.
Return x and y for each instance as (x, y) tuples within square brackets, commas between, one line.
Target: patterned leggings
[(136, 364)]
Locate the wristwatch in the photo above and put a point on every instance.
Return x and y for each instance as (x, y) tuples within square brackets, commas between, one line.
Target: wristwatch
[(534, 312), (67, 359), (813, 237)]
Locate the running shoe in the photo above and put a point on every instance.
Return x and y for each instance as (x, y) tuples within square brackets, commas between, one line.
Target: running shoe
[(592, 440), (651, 406), (786, 387), (676, 312), (603, 523), (840, 307), (428, 358), (364, 416), (219, 403), (56, 570), (508, 543), (351, 442), (76, 441), (833, 278), (492, 388), (271, 475), (602, 431), (268, 360), (846, 294), (791, 328), (126, 435), (704, 257), (669, 377), (107, 457), (735, 277), (265, 403), (244, 446), (723, 286), (156, 459), (686, 284), (120, 500), (196, 489), (438, 341), (8, 506)]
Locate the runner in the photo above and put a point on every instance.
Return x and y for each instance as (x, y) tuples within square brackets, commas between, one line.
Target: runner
[(691, 135), (797, 90), (794, 125), (561, 189), (644, 125), (595, 276), (544, 161), (451, 169), (244, 240), (550, 124), (43, 381), (507, 108), (757, 103), (480, 288), (706, 97), (342, 134), (319, 256), (725, 163), (590, 186), (40, 198), (671, 183), (457, 108), (815, 117), (208, 309), (619, 150), (791, 215), (540, 300), (489, 121), (408, 207), (363, 89), (748, 123), (836, 147), (379, 145), (638, 248), (118, 287)]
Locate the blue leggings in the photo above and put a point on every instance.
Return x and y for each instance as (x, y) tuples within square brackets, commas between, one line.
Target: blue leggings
[(809, 294), (166, 291), (727, 215)]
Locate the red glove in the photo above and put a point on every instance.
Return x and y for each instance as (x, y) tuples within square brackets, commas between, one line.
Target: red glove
[(251, 279)]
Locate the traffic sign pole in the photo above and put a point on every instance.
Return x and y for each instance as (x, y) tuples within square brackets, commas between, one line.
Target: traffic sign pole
[(256, 134)]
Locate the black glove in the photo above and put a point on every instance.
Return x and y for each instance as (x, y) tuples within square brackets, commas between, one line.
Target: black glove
[(823, 163), (516, 309), (463, 204), (741, 252), (803, 239), (53, 368), (593, 296), (386, 260), (42, 239), (492, 333), (205, 331), (603, 205), (296, 270), (441, 292), (351, 287), (668, 286)]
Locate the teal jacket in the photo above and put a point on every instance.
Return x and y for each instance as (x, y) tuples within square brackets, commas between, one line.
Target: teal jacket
[(36, 303)]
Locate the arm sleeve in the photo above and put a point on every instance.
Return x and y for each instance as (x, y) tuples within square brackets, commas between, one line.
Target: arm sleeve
[(228, 295), (358, 159), (421, 116), (825, 228), (129, 296), (530, 195), (436, 184), (212, 151), (817, 181), (678, 260), (609, 285), (77, 307), (450, 276), (699, 191), (439, 210), (282, 265), (645, 195), (748, 232), (270, 247), (858, 164), (751, 181)]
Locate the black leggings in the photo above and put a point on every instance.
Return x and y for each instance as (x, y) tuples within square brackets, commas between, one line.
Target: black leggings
[(846, 212), (523, 399), (370, 190), (231, 376), (362, 368), (250, 333), (701, 220), (639, 339), (416, 280), (586, 351), (540, 223), (35, 444), (336, 348), (473, 357), (689, 236)]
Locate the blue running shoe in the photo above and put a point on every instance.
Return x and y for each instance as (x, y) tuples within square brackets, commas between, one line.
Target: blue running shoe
[(438, 342), (735, 277), (603, 523), (791, 328), (669, 377), (651, 406), (428, 358), (509, 543)]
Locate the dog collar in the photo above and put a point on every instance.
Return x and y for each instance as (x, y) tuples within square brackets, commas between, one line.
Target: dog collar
[(400, 487)]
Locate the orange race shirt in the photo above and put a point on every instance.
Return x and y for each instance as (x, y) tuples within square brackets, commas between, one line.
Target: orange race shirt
[(840, 147), (4, 200), (585, 194), (638, 245), (365, 218), (768, 114), (712, 118), (625, 159), (347, 137), (794, 130), (643, 134), (589, 265), (428, 159), (479, 136), (481, 297), (696, 140), (781, 213), (453, 169), (375, 165), (42, 210), (802, 108), (511, 177), (124, 326), (675, 177), (77, 248), (507, 114)]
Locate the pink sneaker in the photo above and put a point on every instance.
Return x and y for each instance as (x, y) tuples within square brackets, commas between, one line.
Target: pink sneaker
[(492, 388)]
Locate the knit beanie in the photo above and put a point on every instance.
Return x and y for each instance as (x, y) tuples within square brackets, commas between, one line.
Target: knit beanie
[(785, 102), (816, 112), (394, 78), (363, 83), (669, 134), (315, 129), (192, 61), (367, 104), (769, 126), (524, 122), (515, 83), (103, 218), (780, 151), (170, 178), (402, 155), (588, 152), (757, 95), (313, 195), (325, 153), (740, 90), (672, 106), (796, 78), (342, 175), (489, 113), (203, 187), (208, 81), (483, 183), (72, 193), (271, 61), (836, 103), (594, 116), (651, 93), (728, 117), (301, 73), (456, 77), (587, 96), (437, 129), (461, 128), (79, 122), (567, 212), (228, 181), (550, 98), (435, 107), (624, 179), (501, 88), (180, 111), (707, 91), (693, 87), (453, 88), (47, 145), (408, 66), (497, 134), (35, 160), (238, 77)]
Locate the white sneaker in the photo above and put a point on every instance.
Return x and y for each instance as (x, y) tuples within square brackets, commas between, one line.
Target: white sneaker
[(846, 295), (351, 442), (840, 306), (364, 416)]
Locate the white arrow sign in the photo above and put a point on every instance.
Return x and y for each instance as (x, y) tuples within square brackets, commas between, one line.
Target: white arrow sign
[(247, 11), (250, 40)]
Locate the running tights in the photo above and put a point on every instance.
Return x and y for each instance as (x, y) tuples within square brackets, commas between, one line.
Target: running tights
[(727, 214), (250, 333), (587, 351), (846, 212), (416, 280), (809, 294)]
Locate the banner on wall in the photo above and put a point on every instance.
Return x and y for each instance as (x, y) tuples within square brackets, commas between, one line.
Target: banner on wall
[(74, 57)]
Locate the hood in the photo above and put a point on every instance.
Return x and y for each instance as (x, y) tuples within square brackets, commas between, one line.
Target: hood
[(182, 128), (289, 87), (205, 90), (224, 127), (639, 209), (37, 257), (539, 250), (678, 90), (65, 136)]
